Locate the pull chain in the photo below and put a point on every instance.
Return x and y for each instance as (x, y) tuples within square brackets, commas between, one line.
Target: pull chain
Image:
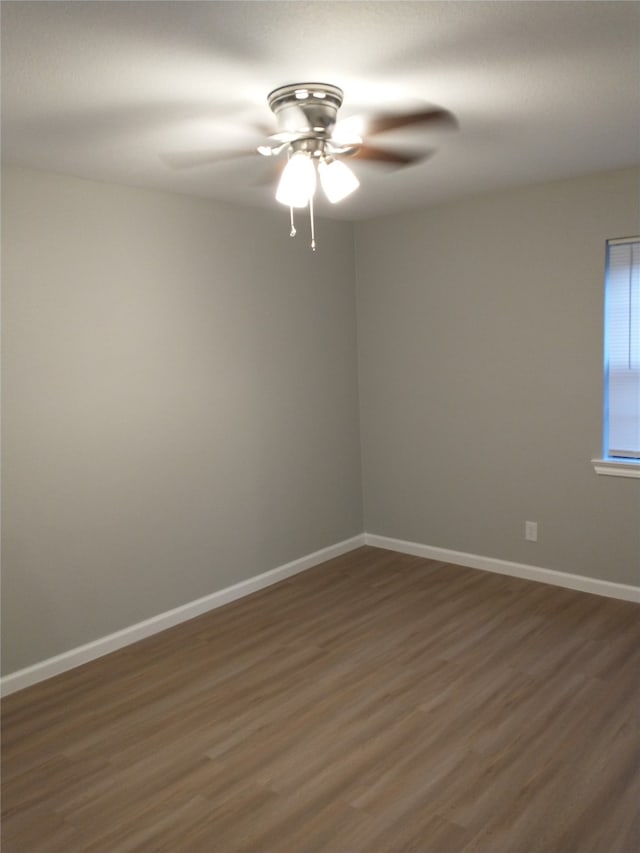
[(292, 233), (313, 232)]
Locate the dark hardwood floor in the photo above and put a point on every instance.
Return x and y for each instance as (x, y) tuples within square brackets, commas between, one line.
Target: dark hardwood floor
[(378, 703)]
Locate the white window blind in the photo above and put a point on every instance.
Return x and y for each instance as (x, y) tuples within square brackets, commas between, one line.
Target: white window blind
[(622, 349)]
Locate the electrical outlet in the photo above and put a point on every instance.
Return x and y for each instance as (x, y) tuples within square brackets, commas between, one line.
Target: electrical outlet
[(531, 531)]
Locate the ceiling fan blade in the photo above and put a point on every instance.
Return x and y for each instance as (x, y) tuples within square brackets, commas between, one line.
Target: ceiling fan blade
[(262, 128), (392, 158), (285, 136), (192, 159), (391, 121), (271, 176)]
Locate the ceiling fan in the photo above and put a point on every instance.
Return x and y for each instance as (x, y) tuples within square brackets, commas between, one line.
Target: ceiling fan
[(316, 144)]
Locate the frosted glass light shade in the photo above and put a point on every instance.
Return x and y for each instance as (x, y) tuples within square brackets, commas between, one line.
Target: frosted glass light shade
[(298, 182), (338, 181)]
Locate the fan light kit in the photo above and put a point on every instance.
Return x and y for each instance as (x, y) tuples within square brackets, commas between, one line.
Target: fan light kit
[(306, 114)]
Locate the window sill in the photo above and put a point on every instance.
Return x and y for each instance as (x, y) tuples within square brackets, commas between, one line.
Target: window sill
[(616, 468)]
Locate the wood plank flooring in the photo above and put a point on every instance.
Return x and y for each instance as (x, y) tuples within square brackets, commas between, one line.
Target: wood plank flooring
[(378, 703)]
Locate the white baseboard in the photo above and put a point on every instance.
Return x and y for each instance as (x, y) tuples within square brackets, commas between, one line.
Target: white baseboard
[(102, 646), (97, 648), (505, 567)]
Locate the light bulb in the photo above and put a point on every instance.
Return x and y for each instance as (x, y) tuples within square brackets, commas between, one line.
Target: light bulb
[(298, 182), (338, 181)]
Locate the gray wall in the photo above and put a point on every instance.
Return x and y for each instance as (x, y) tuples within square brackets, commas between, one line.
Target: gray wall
[(180, 403), (480, 351), (180, 396)]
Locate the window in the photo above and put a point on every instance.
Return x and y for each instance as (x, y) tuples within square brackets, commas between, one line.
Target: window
[(622, 357)]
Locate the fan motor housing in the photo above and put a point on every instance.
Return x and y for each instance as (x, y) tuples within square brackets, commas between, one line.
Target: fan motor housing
[(306, 107)]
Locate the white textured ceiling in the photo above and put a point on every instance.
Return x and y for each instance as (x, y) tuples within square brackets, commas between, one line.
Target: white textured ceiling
[(109, 90)]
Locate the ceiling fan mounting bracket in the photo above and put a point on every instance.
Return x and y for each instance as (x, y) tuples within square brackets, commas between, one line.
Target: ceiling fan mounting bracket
[(310, 107)]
